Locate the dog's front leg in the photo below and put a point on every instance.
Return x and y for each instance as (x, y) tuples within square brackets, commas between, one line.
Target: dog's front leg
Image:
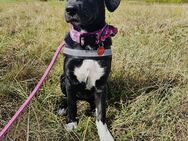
[(100, 99), (72, 108)]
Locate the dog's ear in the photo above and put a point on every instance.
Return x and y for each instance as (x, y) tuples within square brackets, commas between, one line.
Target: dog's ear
[(112, 4)]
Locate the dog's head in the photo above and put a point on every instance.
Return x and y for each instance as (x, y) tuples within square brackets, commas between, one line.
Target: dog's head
[(82, 13)]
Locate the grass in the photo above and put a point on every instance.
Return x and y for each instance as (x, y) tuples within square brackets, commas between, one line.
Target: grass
[(148, 82)]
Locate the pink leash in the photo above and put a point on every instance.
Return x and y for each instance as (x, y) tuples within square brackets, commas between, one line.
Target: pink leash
[(28, 100)]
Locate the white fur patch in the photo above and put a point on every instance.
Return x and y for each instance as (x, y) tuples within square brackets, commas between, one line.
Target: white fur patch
[(89, 72), (62, 111), (103, 132), (70, 126)]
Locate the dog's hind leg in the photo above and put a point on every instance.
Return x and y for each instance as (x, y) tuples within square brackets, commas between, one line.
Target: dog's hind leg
[(100, 99)]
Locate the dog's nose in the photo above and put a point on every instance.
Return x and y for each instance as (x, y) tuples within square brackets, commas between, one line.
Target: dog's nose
[(71, 10)]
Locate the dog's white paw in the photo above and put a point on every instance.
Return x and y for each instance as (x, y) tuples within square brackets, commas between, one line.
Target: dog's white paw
[(103, 132), (70, 126), (62, 112)]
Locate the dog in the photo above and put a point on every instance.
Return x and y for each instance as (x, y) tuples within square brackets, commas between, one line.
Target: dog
[(87, 61)]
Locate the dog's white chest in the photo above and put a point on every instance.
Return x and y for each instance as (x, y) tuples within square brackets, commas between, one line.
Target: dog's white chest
[(89, 72)]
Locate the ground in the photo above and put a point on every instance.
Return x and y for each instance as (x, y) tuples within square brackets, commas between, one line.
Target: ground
[(148, 82)]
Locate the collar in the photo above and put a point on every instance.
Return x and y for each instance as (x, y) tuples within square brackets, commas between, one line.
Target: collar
[(100, 35)]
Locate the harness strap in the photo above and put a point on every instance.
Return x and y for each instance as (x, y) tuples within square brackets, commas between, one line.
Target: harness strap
[(86, 53)]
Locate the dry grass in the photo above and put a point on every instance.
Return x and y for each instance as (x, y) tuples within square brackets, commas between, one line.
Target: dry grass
[(148, 81)]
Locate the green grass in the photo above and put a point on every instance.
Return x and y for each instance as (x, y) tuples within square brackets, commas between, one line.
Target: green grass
[(148, 82)]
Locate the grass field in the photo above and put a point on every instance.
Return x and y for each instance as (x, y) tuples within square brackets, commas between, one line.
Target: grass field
[(148, 82)]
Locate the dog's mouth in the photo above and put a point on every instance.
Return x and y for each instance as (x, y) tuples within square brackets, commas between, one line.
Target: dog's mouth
[(72, 20), (76, 20)]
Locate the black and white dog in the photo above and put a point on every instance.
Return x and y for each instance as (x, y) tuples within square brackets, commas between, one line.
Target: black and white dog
[(87, 60)]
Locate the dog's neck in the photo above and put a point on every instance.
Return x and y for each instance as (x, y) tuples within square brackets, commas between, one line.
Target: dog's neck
[(90, 28), (76, 34), (94, 39), (96, 25)]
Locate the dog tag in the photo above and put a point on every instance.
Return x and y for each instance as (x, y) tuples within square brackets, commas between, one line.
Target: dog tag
[(100, 50)]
